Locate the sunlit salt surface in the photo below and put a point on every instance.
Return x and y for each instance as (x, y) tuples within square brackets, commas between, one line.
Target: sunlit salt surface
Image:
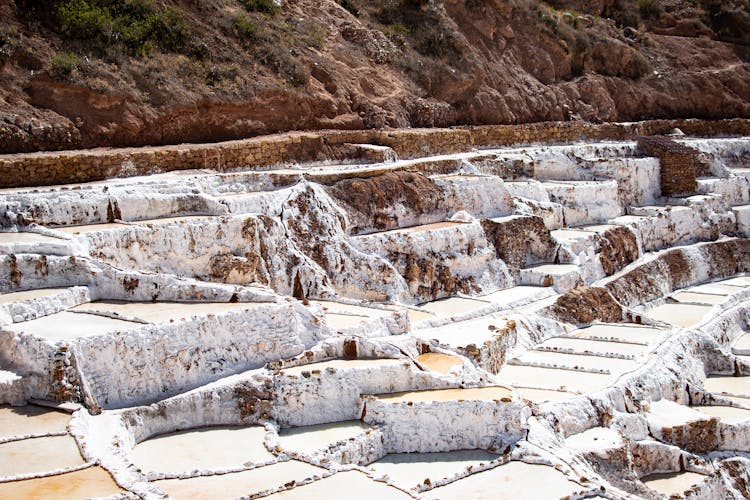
[(685, 315), (342, 364), (226, 486), (6, 238), (544, 395), (727, 414), (726, 384), (169, 220), (409, 470), (739, 281), (92, 482), (159, 312), (454, 305), (699, 298), (624, 332), (207, 448), (512, 480), (461, 334), (742, 343), (595, 439), (315, 437), (27, 420), (90, 228), (469, 394), (7, 298), (438, 362), (612, 365), (342, 485), (426, 227), (338, 321), (672, 483), (68, 325), (716, 289), (38, 455), (594, 346), (555, 379)]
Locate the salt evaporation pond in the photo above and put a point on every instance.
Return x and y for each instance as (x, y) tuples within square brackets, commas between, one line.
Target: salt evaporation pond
[(315, 437), (92, 482), (208, 448), (409, 470), (674, 483)]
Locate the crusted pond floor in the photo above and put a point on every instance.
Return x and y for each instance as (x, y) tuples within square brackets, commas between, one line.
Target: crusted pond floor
[(537, 321)]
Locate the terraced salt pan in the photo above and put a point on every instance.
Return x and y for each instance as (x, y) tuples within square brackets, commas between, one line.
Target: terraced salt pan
[(734, 386), (27, 420), (742, 345), (89, 228), (340, 315), (238, 484), (468, 394), (740, 281), (344, 484), (24, 237), (623, 332), (685, 315), (454, 306), (593, 346), (716, 289), (464, 333), (438, 362), (674, 483), (209, 448), (595, 439), (92, 482), (425, 227), (699, 298), (342, 364), (159, 312), (409, 470), (170, 220), (316, 437), (68, 325), (727, 414), (40, 454), (40, 293), (517, 295), (612, 365), (544, 395), (512, 480), (555, 379)]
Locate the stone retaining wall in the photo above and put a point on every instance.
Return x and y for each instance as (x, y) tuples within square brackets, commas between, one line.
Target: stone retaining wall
[(62, 167)]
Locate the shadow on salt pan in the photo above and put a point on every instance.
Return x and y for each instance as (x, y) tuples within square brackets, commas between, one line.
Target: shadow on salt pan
[(26, 420), (40, 293)]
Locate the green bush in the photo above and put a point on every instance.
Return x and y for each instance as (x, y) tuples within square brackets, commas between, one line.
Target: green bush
[(139, 25), (268, 7), (64, 64), (649, 9), (245, 28)]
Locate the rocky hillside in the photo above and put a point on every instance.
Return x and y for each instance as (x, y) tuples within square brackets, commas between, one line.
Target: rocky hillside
[(86, 73)]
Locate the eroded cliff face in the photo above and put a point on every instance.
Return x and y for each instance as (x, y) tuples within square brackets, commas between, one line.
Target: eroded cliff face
[(352, 65)]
